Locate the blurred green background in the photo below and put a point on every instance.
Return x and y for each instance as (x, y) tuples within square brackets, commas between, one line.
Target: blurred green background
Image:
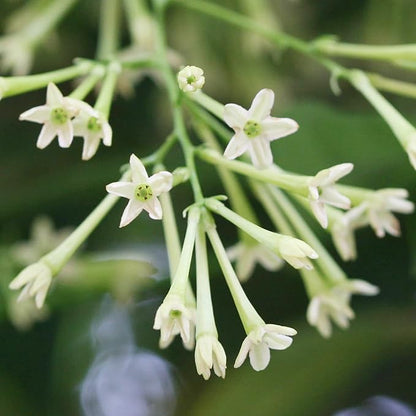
[(42, 369)]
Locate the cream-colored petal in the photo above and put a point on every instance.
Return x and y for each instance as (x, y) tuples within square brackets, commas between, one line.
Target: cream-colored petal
[(259, 356), (90, 147), (65, 135), (261, 105), (39, 114), (273, 128), (154, 208), (235, 116), (47, 134), (138, 171), (161, 182), (238, 144), (132, 210), (124, 189), (54, 97), (260, 153)]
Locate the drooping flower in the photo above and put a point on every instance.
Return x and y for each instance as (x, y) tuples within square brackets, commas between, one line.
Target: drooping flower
[(334, 304), (142, 191), (191, 78), (260, 340), (210, 354), (172, 318), (255, 129), (56, 116), (247, 255), (35, 281), (92, 127), (377, 210), (322, 191)]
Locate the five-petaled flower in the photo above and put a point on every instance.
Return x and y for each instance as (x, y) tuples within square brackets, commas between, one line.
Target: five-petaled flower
[(92, 126), (255, 129), (333, 304), (322, 191), (142, 191), (260, 340), (56, 116)]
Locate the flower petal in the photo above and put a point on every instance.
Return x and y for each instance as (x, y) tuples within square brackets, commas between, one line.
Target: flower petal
[(107, 133), (261, 105), (54, 97), (124, 189), (273, 128), (138, 171), (154, 208), (38, 114), (238, 144), (90, 147), (65, 134), (235, 116), (47, 134), (242, 355), (260, 152), (161, 182), (132, 210), (259, 356)]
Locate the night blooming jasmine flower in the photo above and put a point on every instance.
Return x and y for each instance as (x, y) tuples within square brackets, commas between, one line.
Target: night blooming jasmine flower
[(247, 255), (377, 210), (16, 55), (174, 317), (260, 340), (142, 191), (56, 116), (191, 79), (35, 281), (209, 353), (322, 191), (255, 129), (93, 127), (333, 304)]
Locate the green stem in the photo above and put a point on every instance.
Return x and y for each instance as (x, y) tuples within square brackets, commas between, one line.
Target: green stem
[(213, 106), (57, 258), (88, 83), (248, 314), (135, 11), (10, 86), (105, 97), (108, 32), (178, 120), (395, 86)]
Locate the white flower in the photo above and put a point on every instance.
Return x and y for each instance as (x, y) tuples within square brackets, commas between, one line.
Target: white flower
[(333, 304), (191, 79), (172, 318), (377, 210), (209, 354), (142, 191), (56, 116), (93, 127), (248, 255), (259, 341), (35, 280), (255, 129), (322, 191)]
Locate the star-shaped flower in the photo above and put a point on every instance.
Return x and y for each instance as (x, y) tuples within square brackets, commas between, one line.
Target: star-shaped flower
[(142, 191), (172, 318), (322, 191), (210, 354), (377, 210), (56, 116), (260, 340), (255, 129), (93, 127), (333, 304)]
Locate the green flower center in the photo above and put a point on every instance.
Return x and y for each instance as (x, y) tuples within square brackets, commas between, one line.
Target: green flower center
[(175, 313), (252, 129), (59, 115), (191, 79), (143, 192), (93, 124)]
